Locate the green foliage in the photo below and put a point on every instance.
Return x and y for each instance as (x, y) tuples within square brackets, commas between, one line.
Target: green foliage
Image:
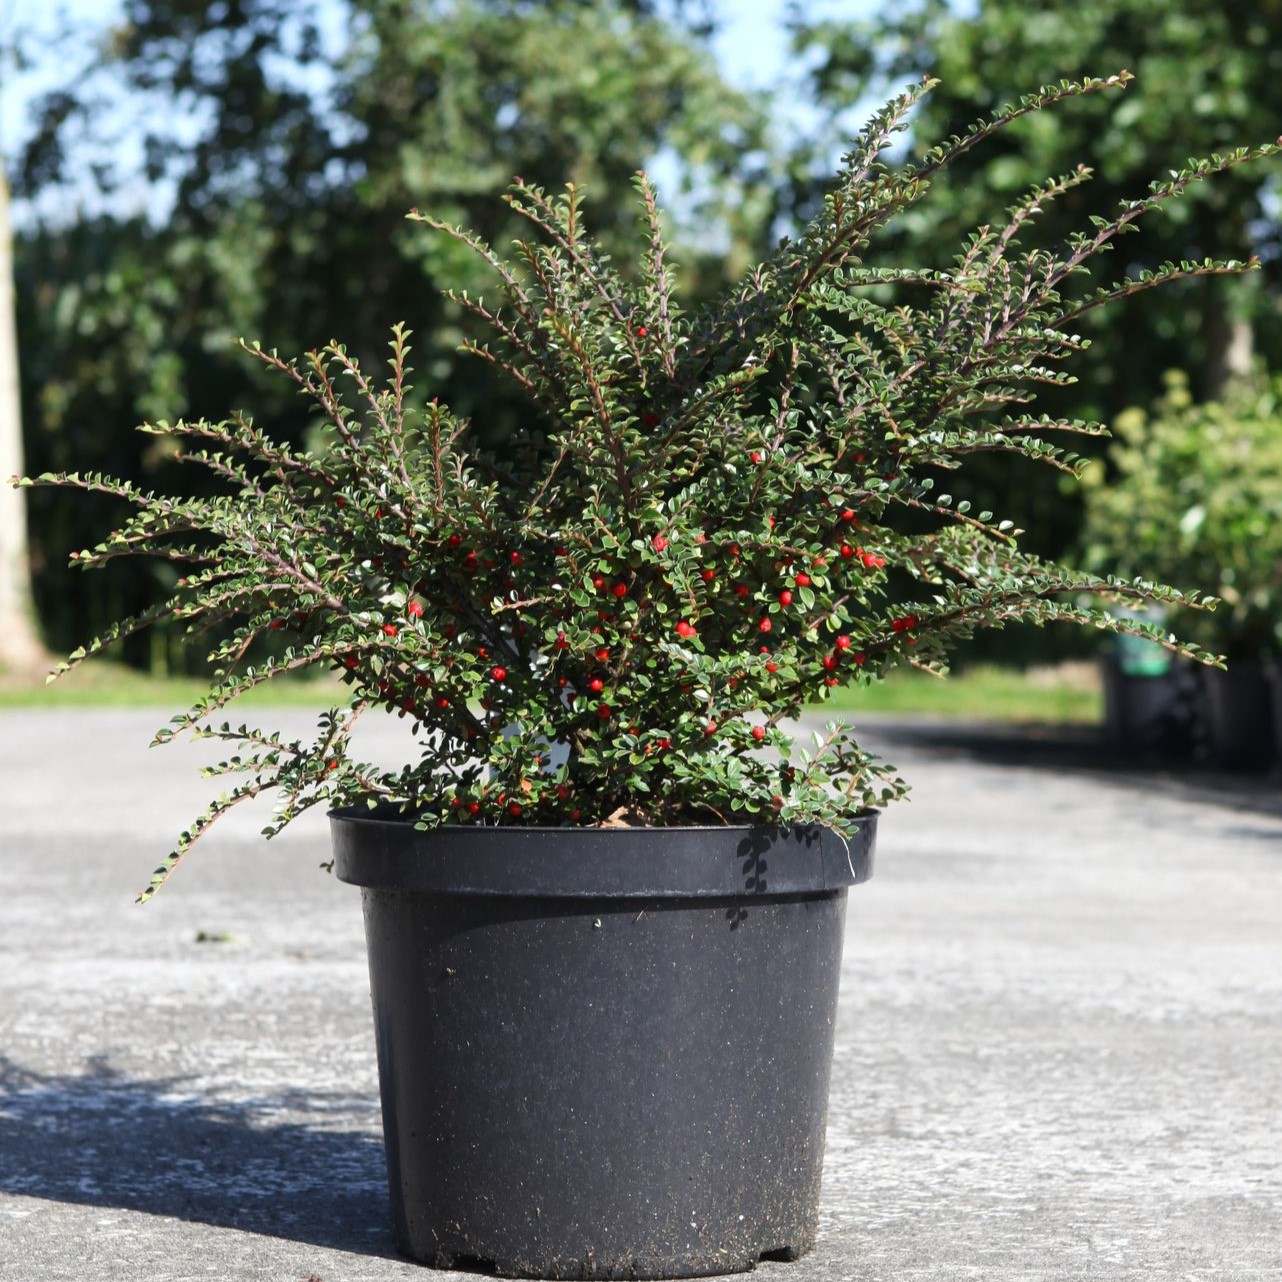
[(1206, 79), (725, 513), (277, 168), (1194, 496)]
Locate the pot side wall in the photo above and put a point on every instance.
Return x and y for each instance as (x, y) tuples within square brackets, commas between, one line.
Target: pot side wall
[(604, 1088)]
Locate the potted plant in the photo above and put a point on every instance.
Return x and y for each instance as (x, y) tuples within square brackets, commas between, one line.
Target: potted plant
[(604, 899), (1193, 493)]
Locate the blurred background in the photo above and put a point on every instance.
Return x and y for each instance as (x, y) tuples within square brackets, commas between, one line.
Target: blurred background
[(181, 173)]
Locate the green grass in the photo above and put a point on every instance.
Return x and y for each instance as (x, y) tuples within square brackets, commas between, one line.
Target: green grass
[(1067, 694), (110, 685), (1050, 695)]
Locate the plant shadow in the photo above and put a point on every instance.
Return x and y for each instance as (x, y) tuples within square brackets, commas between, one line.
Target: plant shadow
[(1085, 750), (100, 1138)]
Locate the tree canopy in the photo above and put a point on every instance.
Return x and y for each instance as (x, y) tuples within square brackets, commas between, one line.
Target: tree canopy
[(1208, 78), (280, 146)]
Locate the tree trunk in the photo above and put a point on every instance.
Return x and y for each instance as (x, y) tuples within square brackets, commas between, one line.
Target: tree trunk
[(1229, 339), (1227, 334), (20, 648)]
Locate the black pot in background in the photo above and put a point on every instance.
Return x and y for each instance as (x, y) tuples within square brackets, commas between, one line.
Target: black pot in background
[(603, 1053), (1273, 672), (1153, 711), (1240, 717)]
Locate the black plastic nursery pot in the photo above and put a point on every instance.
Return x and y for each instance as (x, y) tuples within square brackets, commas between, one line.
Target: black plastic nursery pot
[(603, 1053), (1148, 713), (1239, 706)]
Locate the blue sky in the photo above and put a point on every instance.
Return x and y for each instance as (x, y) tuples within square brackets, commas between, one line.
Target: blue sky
[(750, 46)]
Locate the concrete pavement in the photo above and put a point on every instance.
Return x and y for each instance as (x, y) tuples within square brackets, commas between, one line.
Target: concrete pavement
[(1059, 1052)]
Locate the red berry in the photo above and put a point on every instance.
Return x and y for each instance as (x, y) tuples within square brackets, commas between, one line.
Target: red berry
[(331, 765), (904, 623), (830, 661), (562, 641), (277, 624), (847, 551), (802, 580), (350, 661), (604, 711), (602, 654), (596, 685), (659, 543), (642, 331), (757, 456), (842, 642), (442, 702), (758, 733), (389, 629), (515, 557), (514, 808), (499, 673), (848, 514), (454, 540), (785, 597), (772, 666), (764, 626), (741, 590), (686, 629), (620, 590), (710, 728), (473, 807), (708, 575), (858, 658), (598, 581), (414, 610)]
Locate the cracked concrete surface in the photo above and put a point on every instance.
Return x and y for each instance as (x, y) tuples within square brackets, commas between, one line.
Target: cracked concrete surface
[(1059, 1052)]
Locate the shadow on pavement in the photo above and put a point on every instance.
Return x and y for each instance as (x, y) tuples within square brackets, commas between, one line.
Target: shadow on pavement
[(101, 1139), (1081, 749)]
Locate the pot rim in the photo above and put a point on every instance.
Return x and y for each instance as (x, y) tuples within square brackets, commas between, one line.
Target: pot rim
[(529, 861)]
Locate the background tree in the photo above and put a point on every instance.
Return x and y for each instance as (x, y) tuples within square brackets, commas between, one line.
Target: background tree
[(20, 648), (280, 151), (1208, 77)]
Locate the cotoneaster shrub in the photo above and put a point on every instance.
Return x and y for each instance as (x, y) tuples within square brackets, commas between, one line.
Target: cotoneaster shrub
[(720, 517)]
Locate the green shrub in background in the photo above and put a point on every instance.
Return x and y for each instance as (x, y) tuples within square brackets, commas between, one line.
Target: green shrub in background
[(1193, 496)]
